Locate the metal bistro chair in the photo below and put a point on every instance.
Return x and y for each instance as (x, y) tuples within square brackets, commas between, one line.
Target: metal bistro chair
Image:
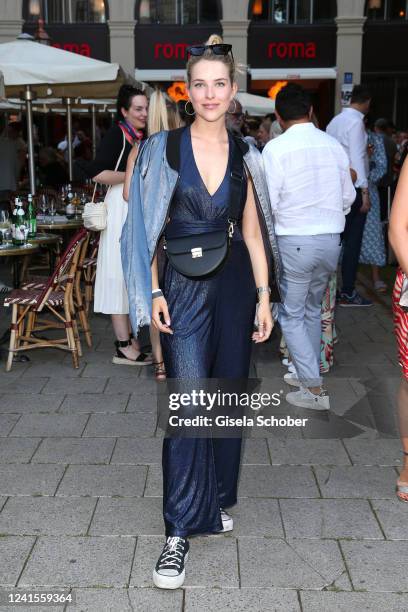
[(56, 298)]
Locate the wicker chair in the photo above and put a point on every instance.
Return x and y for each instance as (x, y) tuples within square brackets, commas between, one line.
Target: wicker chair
[(54, 299)]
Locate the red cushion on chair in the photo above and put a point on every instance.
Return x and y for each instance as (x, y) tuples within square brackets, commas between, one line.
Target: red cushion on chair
[(32, 297)]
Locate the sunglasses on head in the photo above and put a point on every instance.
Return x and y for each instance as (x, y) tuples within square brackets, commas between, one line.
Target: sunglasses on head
[(218, 49)]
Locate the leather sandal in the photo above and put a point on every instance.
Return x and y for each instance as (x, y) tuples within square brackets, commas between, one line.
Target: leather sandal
[(143, 359), (402, 489), (159, 371)]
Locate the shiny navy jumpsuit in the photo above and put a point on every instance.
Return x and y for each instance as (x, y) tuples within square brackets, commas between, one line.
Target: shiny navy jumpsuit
[(212, 320)]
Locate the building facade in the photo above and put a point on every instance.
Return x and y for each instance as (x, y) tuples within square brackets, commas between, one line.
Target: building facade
[(315, 42)]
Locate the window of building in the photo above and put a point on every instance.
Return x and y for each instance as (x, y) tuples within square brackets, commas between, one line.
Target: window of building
[(66, 11), (182, 12), (292, 11), (390, 10)]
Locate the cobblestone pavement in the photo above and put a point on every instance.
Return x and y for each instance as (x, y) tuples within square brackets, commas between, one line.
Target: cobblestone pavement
[(317, 526)]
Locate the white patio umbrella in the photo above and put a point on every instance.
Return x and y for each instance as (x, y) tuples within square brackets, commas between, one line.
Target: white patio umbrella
[(53, 73), (255, 105)]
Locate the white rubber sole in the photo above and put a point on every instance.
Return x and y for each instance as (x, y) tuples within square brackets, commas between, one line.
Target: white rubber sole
[(305, 404), (169, 582), (293, 382), (129, 362), (227, 525)]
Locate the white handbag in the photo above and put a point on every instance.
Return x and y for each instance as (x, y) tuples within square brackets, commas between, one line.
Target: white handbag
[(95, 214)]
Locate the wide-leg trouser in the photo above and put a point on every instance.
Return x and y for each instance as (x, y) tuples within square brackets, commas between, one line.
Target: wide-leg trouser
[(212, 322)]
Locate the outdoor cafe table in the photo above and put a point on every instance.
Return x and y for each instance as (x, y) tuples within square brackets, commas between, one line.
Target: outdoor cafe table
[(18, 253), (52, 242), (58, 223)]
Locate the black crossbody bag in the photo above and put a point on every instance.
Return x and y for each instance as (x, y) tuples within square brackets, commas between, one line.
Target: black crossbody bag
[(201, 255)]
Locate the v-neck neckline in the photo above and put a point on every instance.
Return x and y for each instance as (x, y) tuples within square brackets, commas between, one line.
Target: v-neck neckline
[(198, 171)]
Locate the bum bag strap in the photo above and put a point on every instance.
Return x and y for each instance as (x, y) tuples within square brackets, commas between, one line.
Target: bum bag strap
[(237, 178)]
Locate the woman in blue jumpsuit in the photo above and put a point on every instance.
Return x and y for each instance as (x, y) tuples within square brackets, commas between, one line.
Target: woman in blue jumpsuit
[(206, 324)]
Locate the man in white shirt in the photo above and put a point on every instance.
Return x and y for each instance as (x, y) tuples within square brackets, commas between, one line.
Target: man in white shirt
[(348, 128), (311, 191)]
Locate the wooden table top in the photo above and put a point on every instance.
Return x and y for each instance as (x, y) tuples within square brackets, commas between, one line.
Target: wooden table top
[(10, 250), (45, 238), (59, 224)]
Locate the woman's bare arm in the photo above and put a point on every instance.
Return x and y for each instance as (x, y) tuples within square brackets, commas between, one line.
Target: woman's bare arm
[(130, 166), (109, 177), (398, 228), (251, 232)]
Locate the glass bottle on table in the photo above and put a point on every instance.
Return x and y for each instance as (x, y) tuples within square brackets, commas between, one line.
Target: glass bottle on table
[(70, 207), (31, 217), (19, 227)]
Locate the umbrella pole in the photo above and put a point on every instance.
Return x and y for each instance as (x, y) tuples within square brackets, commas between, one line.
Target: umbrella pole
[(93, 110), (28, 97), (69, 137)]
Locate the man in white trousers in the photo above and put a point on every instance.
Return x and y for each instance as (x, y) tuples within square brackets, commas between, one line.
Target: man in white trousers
[(311, 192)]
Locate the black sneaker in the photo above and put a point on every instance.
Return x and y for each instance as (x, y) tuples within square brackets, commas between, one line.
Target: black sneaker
[(347, 301), (169, 572), (227, 522)]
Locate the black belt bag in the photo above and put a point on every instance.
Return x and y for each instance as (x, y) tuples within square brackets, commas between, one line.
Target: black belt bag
[(203, 254)]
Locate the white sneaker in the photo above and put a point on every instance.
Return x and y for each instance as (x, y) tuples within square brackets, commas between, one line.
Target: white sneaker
[(227, 522), (286, 361), (291, 379), (291, 367), (306, 399)]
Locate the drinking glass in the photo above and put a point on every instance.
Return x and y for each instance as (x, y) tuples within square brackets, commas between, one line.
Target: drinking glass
[(5, 225), (44, 204), (53, 208)]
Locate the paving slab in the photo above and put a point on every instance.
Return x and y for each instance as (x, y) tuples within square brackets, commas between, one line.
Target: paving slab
[(121, 425), (76, 385), (255, 452), (377, 566), (50, 425), (329, 518), (74, 450), (7, 422), (24, 385), (307, 564), (241, 600), (212, 562), (40, 479), (53, 369), (156, 600), (98, 600), (393, 517), (24, 403), (14, 551), (74, 404), (346, 602), (257, 517), (103, 480), (142, 402), (128, 517), (138, 451), (119, 384), (307, 452), (356, 481), (79, 562), (46, 516), (274, 481), (375, 452)]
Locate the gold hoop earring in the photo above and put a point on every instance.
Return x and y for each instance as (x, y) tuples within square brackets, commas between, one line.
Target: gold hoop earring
[(186, 111), (235, 108)]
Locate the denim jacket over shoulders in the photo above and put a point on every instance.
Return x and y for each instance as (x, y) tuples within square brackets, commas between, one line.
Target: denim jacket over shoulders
[(153, 183)]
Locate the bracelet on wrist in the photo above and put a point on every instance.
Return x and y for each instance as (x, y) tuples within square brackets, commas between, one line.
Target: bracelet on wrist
[(261, 290), (157, 293)]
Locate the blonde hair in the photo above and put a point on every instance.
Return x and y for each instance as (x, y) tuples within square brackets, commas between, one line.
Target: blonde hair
[(215, 39), (163, 113)]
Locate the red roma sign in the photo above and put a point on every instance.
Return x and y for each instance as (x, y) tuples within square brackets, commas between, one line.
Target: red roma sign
[(80, 48), (292, 50)]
